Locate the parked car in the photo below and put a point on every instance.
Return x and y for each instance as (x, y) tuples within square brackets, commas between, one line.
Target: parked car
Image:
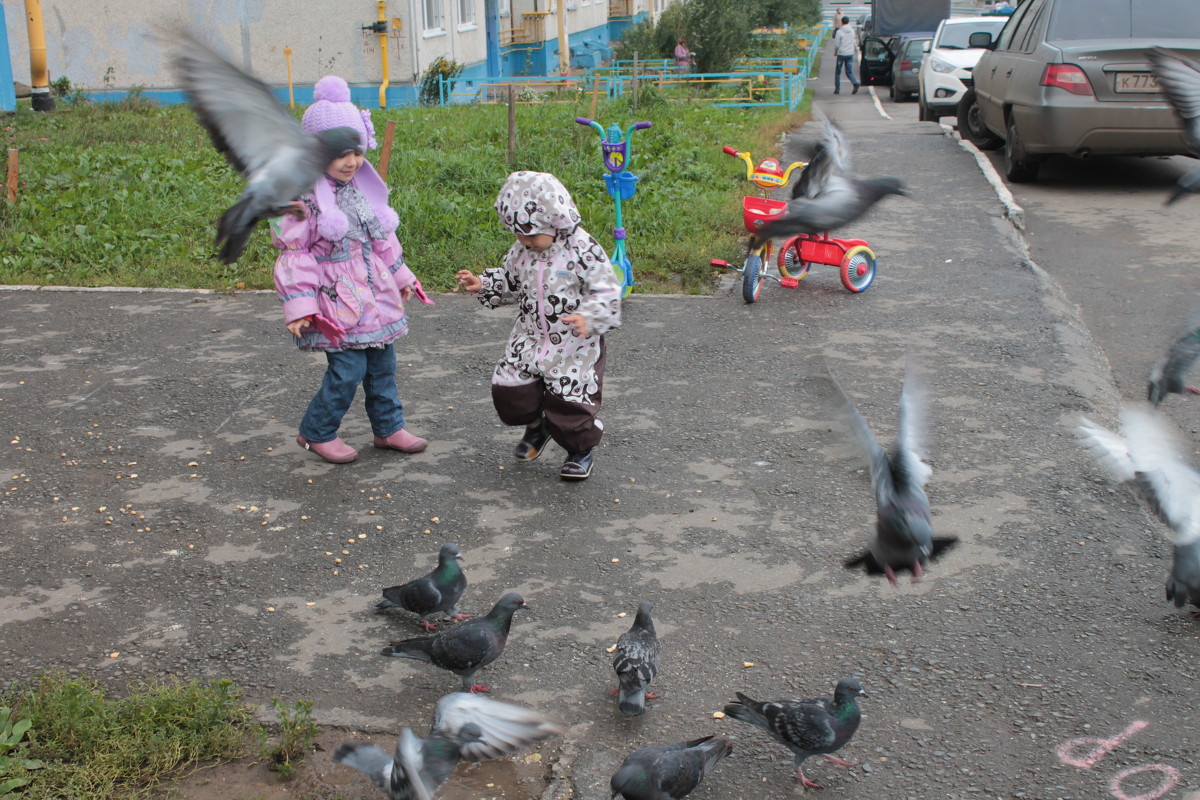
[(910, 52), (1071, 77), (951, 58), (875, 60)]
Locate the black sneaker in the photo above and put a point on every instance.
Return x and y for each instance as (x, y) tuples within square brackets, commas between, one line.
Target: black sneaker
[(855, 89), (577, 467), (530, 446)]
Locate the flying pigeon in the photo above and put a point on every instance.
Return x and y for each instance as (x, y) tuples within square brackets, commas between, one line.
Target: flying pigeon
[(830, 198), (1179, 78), (464, 648), (806, 727), (903, 537), (1168, 374), (418, 766), (636, 661), (440, 590), (1149, 456), (280, 161), (466, 727), (670, 772)]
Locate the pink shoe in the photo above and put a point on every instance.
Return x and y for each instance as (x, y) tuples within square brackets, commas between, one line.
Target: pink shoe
[(335, 451), (403, 441)]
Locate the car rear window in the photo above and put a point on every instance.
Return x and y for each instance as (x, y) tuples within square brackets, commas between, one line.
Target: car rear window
[(1124, 19), (955, 37)]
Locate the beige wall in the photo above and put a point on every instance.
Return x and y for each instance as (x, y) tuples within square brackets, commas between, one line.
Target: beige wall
[(119, 43)]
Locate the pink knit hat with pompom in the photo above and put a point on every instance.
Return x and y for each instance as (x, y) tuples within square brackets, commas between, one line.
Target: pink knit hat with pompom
[(332, 108)]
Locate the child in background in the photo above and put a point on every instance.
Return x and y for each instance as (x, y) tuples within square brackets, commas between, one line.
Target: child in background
[(342, 280), (568, 296)]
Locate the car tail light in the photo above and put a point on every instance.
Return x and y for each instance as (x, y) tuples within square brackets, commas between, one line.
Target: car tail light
[(1067, 76), (906, 64)]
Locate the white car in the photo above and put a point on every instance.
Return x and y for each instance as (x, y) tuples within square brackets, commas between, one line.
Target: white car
[(948, 62)]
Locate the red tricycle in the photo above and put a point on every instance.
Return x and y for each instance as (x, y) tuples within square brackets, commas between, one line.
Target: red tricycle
[(800, 252)]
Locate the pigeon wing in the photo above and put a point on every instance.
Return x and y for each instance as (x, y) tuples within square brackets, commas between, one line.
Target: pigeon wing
[(910, 436), (410, 759), (1168, 374), (802, 723), (1179, 77), (244, 120), (368, 759), (506, 728), (1170, 486), (881, 470)]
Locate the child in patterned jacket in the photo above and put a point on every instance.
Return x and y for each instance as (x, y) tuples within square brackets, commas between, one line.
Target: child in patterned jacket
[(568, 296), (342, 280)]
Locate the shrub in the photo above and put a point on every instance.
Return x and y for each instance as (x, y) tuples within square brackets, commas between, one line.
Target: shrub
[(441, 68)]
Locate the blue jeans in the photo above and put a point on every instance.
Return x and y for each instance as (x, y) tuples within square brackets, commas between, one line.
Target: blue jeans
[(375, 369), (846, 62)]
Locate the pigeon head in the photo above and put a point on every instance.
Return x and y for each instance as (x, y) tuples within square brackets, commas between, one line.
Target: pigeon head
[(336, 142), (449, 552), (848, 689), (511, 602), (886, 186)]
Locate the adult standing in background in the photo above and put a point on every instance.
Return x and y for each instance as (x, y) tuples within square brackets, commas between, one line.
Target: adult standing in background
[(845, 40)]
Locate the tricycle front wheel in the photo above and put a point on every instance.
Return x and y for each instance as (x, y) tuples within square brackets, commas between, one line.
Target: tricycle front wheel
[(790, 263), (752, 278), (858, 268)]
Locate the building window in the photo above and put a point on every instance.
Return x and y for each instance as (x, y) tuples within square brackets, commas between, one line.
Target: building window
[(505, 8), (433, 15), (466, 12)]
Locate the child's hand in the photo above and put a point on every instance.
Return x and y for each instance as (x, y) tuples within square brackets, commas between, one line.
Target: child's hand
[(578, 323), (468, 280), (406, 293), (294, 327), (297, 209)]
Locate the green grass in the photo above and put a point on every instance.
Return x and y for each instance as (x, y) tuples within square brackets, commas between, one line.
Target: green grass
[(128, 194), (95, 748)]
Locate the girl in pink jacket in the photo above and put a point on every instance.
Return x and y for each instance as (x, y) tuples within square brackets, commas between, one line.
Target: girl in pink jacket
[(342, 280)]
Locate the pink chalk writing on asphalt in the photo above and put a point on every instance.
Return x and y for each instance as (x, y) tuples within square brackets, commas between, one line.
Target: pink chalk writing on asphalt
[(1069, 753)]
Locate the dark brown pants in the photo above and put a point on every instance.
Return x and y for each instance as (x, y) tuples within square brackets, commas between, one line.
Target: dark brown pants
[(572, 425)]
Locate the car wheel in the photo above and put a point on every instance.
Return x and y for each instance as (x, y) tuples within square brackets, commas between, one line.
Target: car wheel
[(1018, 166), (922, 110), (892, 92), (970, 124), (903, 97)]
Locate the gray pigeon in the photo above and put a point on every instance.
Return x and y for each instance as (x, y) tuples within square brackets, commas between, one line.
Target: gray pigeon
[(1167, 377), (1149, 456), (806, 727), (636, 661), (903, 537), (464, 648), (465, 727), (830, 198), (279, 160), (418, 767), (439, 591), (1179, 78), (670, 772)]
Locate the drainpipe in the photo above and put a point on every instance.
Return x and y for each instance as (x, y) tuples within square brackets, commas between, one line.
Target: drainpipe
[(39, 75), (413, 27), (381, 28), (564, 52)]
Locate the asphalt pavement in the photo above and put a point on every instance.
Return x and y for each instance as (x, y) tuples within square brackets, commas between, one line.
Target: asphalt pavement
[(160, 520)]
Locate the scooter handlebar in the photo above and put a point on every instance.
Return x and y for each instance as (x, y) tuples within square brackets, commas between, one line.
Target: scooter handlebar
[(583, 120), (729, 151), (639, 126)]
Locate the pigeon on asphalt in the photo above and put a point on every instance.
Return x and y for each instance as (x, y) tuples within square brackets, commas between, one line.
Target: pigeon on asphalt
[(670, 772), (439, 591), (806, 727), (830, 199), (1149, 456), (279, 160), (636, 661), (1179, 78), (417, 768), (903, 537), (1167, 377), (466, 727), (464, 648)]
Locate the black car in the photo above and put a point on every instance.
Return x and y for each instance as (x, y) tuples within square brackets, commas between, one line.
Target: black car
[(875, 60)]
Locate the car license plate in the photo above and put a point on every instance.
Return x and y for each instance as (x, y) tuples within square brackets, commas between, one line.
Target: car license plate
[(1135, 82)]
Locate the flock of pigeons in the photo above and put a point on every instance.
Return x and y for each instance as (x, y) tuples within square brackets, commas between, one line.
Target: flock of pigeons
[(470, 727), (281, 162)]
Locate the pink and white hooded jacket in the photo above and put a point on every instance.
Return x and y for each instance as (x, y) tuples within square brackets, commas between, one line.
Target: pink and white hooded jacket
[(572, 276)]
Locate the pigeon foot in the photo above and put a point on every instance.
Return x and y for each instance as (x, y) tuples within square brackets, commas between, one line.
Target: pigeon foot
[(652, 696), (460, 617), (838, 761), (805, 782), (917, 571), (1191, 390), (428, 626), (479, 687), (891, 575)]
